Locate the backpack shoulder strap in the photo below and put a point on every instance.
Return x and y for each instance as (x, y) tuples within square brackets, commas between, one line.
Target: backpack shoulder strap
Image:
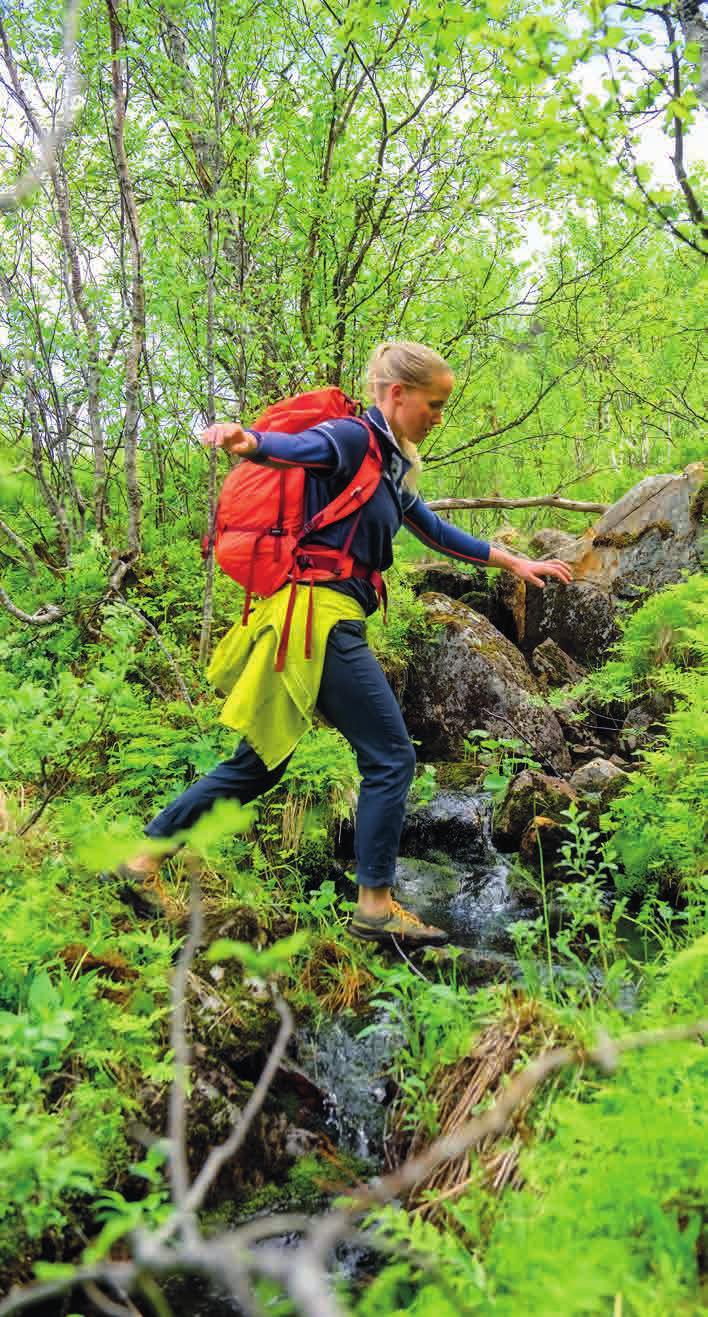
[(359, 490)]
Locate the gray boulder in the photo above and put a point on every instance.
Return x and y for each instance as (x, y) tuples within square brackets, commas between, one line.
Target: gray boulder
[(579, 617), (468, 675), (648, 538), (554, 667), (550, 543), (597, 783), (643, 542), (444, 578)]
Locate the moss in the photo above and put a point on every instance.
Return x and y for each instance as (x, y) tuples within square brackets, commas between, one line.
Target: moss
[(621, 539), (439, 864), (453, 776), (308, 1185)]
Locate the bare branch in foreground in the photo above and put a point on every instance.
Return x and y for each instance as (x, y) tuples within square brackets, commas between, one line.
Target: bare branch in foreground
[(49, 144), (177, 1109)]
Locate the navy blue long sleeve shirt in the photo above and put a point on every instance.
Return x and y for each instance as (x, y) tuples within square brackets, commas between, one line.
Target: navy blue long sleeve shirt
[(331, 453)]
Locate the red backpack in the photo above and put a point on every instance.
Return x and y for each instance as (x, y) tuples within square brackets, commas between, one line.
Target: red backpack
[(260, 518)]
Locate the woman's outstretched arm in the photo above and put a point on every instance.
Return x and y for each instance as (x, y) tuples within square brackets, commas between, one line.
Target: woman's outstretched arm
[(326, 448), (427, 526)]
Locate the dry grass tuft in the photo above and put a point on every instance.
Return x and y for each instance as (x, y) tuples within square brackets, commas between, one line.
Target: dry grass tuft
[(333, 975), (458, 1091)]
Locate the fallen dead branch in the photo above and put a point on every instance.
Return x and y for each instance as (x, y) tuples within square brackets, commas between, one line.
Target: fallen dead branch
[(543, 501)]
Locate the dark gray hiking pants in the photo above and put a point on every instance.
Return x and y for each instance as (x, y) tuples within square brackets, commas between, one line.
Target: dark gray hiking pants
[(356, 698)]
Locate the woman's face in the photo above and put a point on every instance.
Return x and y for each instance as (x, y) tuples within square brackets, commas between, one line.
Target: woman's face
[(412, 410)]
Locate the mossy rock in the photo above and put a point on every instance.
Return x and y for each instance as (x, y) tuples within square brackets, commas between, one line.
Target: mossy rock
[(457, 776), (528, 794), (468, 675)]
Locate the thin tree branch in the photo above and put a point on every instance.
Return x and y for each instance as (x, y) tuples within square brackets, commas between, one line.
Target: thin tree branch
[(19, 543), (44, 616), (160, 644), (49, 143), (177, 1110)]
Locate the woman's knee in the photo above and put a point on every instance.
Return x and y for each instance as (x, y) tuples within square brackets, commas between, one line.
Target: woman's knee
[(394, 769)]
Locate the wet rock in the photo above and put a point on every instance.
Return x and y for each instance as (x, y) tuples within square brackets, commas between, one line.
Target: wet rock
[(645, 722), (473, 900), (550, 543), (598, 782), (443, 578), (554, 667), (348, 1067), (468, 675), (451, 824), (433, 877), (529, 794)]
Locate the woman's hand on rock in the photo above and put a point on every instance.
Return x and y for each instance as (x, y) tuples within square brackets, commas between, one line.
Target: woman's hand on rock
[(231, 436), (533, 572)]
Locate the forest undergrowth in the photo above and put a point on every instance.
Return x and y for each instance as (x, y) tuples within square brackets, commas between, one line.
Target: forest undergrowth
[(593, 1200)]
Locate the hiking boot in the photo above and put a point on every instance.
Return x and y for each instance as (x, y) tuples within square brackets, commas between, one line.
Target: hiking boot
[(398, 925), (143, 891)]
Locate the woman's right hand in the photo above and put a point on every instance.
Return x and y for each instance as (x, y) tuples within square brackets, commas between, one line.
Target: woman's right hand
[(230, 436)]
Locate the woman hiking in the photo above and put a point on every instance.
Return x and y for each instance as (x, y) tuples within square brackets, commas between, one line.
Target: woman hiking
[(409, 385)]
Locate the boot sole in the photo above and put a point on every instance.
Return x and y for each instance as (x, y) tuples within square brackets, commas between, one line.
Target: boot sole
[(387, 939)]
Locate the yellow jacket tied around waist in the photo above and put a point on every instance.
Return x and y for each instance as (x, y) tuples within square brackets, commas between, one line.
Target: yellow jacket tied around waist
[(272, 710)]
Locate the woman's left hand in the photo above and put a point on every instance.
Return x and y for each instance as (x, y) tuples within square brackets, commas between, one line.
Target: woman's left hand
[(533, 572)]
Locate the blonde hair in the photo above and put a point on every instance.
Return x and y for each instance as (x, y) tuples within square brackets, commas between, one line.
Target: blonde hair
[(404, 363)]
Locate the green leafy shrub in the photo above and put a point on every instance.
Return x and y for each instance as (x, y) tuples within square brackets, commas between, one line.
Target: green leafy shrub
[(75, 1042), (657, 821)]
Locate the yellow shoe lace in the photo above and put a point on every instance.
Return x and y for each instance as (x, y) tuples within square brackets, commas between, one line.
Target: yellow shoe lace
[(406, 916)]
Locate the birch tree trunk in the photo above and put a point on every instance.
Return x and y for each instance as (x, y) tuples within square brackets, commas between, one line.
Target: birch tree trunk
[(208, 608), (137, 291), (215, 176)]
